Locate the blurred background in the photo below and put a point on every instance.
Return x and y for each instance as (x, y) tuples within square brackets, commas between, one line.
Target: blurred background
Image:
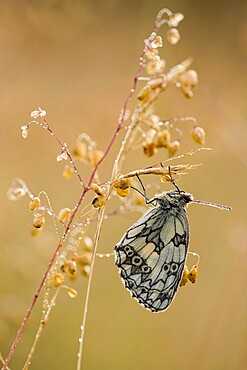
[(76, 60)]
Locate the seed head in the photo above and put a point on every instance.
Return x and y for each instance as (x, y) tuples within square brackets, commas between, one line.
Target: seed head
[(38, 221), (34, 204), (198, 135), (64, 214), (173, 36), (193, 274)]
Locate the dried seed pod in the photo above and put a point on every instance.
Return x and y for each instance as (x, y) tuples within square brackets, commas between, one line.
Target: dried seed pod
[(173, 36), (34, 204), (64, 214), (38, 221), (144, 94), (24, 131), (149, 149), (193, 274), (174, 147), (99, 201), (124, 183), (198, 135), (175, 19), (72, 292), (98, 189), (123, 192), (189, 78), (185, 277), (162, 139), (57, 279)]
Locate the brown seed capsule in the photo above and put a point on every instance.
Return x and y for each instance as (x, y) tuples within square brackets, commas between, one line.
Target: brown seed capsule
[(99, 201), (173, 147), (162, 139), (193, 274), (185, 277), (34, 204), (123, 183), (64, 214), (97, 189), (123, 192), (198, 135), (149, 149), (39, 221)]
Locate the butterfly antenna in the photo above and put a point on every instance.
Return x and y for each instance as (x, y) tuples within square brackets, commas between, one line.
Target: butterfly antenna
[(144, 194), (220, 206), (172, 179)]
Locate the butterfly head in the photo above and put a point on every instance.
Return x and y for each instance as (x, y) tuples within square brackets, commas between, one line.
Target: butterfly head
[(174, 198)]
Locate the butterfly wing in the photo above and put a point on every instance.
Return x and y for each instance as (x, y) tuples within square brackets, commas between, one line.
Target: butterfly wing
[(151, 256)]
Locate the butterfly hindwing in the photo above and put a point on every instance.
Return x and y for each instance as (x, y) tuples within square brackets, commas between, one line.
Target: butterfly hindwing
[(151, 256)]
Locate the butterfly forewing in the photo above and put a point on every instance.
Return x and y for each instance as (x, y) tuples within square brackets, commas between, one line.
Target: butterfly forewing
[(152, 254)]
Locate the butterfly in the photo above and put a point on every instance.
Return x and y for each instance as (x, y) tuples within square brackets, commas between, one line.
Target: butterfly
[(152, 253)]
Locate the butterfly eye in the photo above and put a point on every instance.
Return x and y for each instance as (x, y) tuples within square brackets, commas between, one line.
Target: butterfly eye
[(137, 261), (128, 250), (174, 267), (166, 267), (145, 269)]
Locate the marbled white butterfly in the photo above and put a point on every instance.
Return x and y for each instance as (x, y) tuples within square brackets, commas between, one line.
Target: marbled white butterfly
[(151, 255)]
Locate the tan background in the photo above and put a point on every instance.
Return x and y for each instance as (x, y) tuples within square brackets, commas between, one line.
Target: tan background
[(76, 59)]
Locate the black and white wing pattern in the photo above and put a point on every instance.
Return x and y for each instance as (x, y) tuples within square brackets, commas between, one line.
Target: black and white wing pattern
[(152, 254)]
